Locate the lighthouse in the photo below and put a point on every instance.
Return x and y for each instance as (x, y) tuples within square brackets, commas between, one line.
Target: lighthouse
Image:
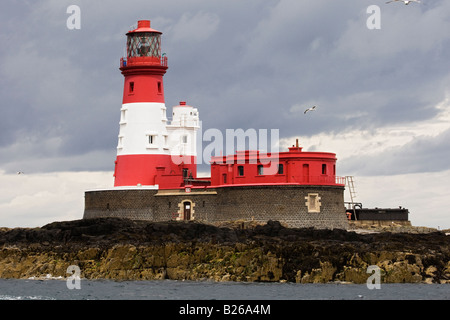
[(150, 150), (156, 164)]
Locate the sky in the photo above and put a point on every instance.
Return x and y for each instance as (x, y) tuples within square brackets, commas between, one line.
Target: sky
[(380, 81)]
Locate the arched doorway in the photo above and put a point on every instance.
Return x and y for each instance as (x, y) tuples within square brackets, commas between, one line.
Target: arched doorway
[(186, 210)]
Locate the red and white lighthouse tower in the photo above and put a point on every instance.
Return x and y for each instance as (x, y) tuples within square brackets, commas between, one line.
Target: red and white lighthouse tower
[(144, 146)]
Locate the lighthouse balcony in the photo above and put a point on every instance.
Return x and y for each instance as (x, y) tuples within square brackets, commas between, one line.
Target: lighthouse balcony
[(143, 61)]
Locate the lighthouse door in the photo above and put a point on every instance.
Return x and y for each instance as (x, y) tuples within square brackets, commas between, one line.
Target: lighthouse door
[(187, 210)]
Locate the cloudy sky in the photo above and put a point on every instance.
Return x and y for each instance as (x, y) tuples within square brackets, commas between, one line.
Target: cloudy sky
[(382, 95)]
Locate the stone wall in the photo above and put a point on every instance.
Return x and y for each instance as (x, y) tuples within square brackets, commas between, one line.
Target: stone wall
[(287, 204), (133, 204), (294, 206)]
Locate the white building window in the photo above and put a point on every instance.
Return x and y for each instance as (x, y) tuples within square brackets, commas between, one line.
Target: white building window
[(123, 116), (120, 144), (166, 139), (184, 138), (153, 140)]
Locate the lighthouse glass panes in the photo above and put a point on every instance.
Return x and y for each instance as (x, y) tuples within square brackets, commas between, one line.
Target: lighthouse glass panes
[(144, 44)]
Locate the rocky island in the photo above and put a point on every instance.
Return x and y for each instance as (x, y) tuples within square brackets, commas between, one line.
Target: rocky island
[(122, 249)]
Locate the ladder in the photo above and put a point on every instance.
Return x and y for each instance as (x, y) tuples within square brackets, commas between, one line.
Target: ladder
[(351, 188)]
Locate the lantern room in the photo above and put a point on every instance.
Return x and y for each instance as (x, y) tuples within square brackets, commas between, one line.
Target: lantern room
[(144, 46)]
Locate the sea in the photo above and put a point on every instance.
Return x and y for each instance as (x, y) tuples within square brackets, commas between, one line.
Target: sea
[(215, 300), (62, 289)]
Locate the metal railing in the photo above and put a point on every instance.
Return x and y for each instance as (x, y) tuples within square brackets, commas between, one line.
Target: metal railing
[(124, 61), (322, 179)]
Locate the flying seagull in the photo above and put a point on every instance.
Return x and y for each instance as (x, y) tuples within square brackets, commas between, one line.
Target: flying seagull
[(310, 109), (20, 172), (404, 1)]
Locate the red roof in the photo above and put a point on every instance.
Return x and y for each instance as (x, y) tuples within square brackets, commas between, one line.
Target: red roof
[(143, 26)]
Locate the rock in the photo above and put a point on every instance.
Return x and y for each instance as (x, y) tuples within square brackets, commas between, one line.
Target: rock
[(122, 249), (431, 271)]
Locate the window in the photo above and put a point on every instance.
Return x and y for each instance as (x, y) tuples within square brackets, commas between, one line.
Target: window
[(240, 171), (185, 173), (324, 169), (224, 176), (184, 139), (260, 170), (159, 87), (280, 169), (153, 142), (131, 89)]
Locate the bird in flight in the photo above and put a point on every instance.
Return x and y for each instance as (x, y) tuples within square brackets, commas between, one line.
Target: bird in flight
[(310, 109), (404, 1), (20, 172)]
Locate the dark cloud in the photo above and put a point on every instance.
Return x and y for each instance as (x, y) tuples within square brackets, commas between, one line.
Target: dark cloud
[(421, 154)]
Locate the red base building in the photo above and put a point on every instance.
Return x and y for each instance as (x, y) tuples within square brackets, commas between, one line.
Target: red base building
[(294, 167)]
